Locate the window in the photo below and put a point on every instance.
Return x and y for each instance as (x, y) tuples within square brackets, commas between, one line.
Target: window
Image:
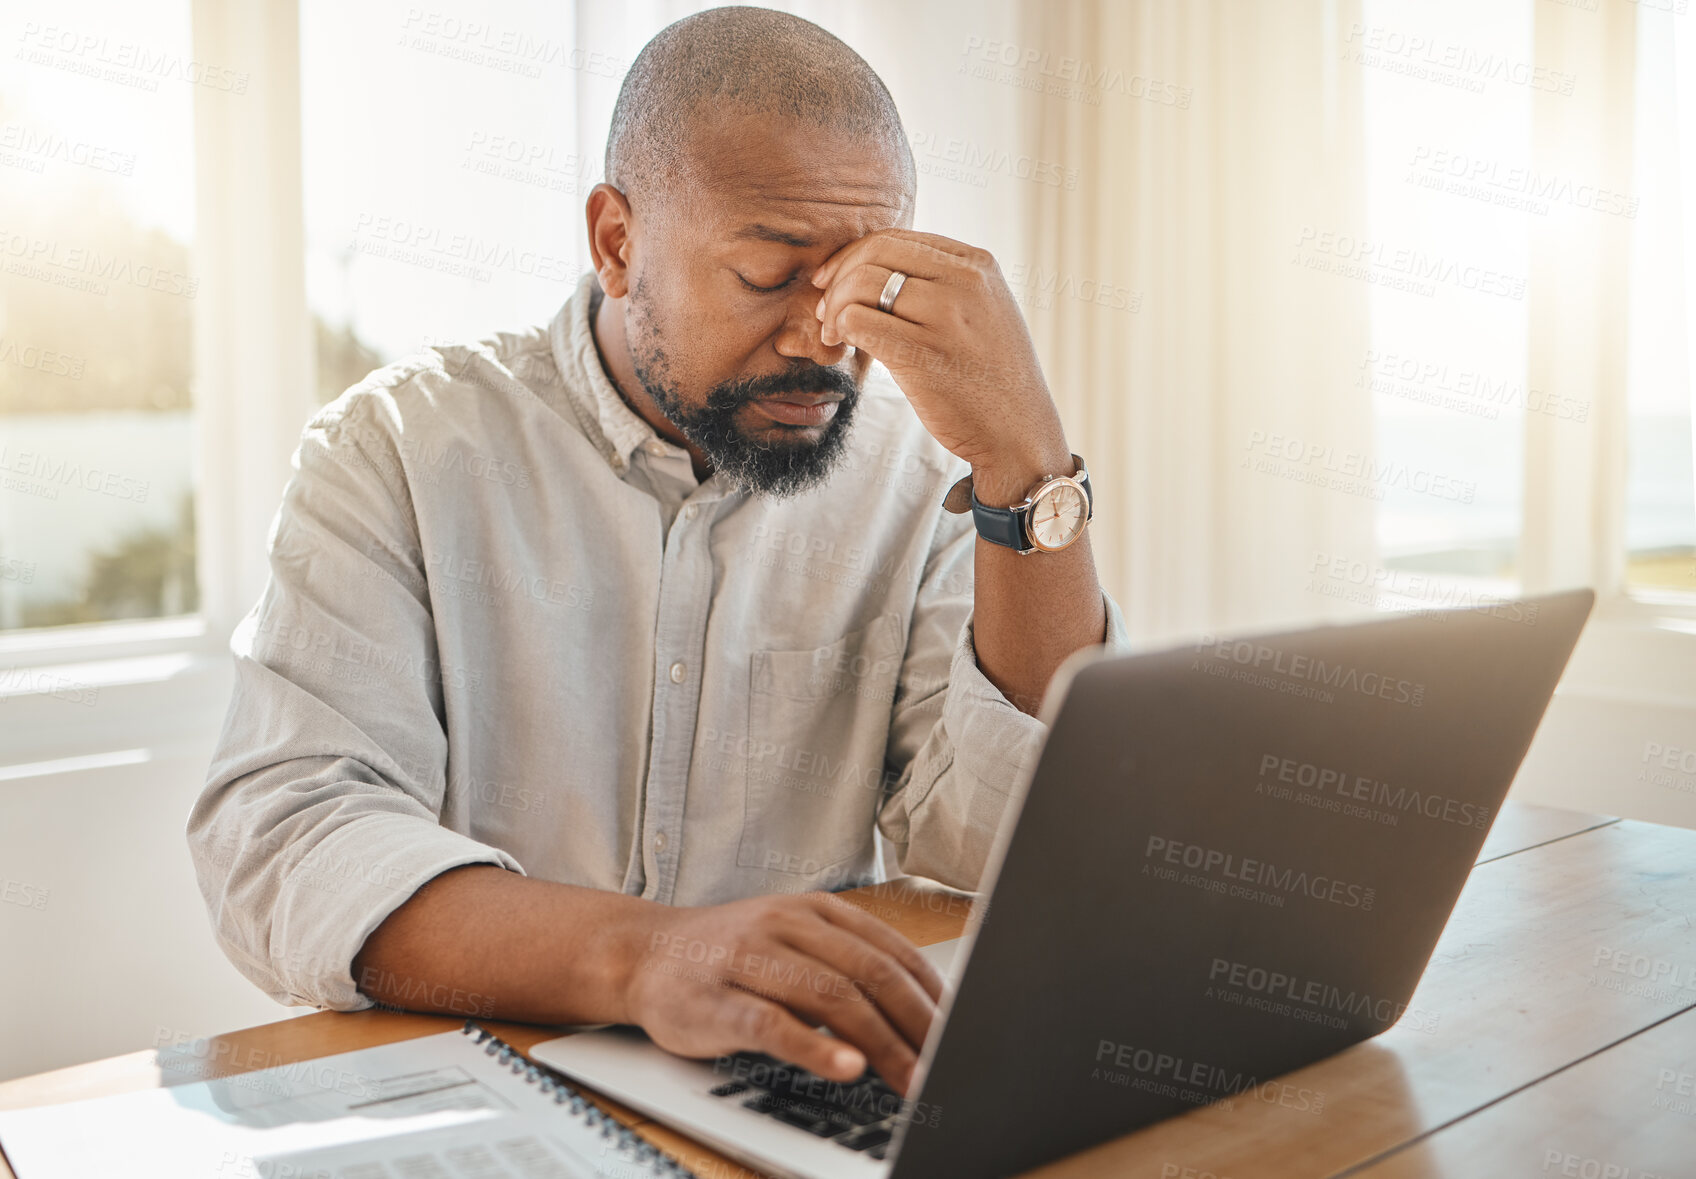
[(96, 309), (1446, 251), (1660, 498), (444, 192)]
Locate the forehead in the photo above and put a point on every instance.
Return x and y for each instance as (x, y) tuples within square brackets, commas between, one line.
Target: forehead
[(763, 180)]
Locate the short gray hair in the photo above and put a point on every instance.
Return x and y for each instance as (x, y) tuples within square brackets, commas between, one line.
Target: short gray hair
[(757, 60)]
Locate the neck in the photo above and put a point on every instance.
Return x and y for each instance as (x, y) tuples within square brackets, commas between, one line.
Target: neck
[(612, 345)]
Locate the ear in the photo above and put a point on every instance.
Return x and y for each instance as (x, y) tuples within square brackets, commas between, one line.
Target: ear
[(611, 226)]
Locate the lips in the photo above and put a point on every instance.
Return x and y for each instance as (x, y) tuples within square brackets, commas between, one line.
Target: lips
[(799, 409)]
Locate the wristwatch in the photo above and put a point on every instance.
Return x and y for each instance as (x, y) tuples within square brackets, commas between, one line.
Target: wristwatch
[(1051, 516)]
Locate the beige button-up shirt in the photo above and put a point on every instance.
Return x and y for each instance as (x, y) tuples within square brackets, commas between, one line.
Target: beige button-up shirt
[(506, 624)]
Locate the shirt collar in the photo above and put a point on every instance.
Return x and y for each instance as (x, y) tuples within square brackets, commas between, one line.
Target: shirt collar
[(615, 428)]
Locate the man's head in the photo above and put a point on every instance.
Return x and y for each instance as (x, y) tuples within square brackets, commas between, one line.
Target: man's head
[(746, 147)]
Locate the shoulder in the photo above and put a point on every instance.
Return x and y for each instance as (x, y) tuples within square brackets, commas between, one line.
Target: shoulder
[(443, 389)]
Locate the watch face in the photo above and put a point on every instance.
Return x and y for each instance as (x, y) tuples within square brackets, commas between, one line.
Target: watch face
[(1058, 516)]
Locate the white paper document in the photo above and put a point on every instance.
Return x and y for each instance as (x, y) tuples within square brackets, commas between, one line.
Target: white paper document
[(439, 1107)]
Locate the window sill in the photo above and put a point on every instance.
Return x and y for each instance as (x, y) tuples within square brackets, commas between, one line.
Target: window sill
[(163, 699), (100, 641), (1637, 651)]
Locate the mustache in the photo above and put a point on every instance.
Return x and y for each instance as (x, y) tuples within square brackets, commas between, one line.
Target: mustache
[(811, 379)]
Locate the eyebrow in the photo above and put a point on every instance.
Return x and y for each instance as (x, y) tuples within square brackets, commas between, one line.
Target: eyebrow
[(766, 233)]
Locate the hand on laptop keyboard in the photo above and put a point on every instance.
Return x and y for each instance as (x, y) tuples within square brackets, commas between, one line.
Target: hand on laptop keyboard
[(860, 1114), (764, 974)]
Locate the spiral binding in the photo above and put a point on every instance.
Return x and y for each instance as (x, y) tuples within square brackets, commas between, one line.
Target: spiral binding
[(624, 1140)]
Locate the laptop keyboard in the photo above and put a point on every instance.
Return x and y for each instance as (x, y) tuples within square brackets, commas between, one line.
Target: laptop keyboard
[(857, 1115)]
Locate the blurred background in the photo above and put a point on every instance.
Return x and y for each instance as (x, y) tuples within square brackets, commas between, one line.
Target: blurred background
[(1353, 305)]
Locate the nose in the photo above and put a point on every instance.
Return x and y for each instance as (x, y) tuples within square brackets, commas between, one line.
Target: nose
[(799, 335)]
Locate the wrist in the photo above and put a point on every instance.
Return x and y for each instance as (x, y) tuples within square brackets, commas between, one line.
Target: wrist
[(629, 958), (1007, 479)]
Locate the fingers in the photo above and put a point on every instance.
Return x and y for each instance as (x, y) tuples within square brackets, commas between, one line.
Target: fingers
[(762, 1025), (824, 995), (888, 338), (820, 961), (883, 995), (925, 254), (882, 935), (919, 302)]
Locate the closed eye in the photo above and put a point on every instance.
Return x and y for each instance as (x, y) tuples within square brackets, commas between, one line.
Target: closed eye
[(765, 290)]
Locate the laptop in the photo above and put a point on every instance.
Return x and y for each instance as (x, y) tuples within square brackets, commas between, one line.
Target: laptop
[(1233, 858)]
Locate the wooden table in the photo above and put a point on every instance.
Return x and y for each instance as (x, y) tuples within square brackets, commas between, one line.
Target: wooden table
[(1559, 1036)]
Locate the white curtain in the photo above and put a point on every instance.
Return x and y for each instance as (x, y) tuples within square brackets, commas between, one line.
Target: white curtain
[(1579, 301), (1232, 138)]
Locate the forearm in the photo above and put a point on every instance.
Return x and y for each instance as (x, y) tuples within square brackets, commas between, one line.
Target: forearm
[(1030, 611), (531, 950)]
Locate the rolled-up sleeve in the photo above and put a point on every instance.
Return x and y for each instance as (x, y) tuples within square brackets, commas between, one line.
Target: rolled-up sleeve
[(323, 807), (961, 746)]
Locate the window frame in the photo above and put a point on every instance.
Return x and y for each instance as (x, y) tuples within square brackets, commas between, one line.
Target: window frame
[(254, 390), (253, 359)]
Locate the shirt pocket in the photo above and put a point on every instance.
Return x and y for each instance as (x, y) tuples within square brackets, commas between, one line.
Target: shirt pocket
[(818, 728)]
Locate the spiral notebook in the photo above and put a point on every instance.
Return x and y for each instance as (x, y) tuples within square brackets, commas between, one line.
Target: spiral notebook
[(457, 1105)]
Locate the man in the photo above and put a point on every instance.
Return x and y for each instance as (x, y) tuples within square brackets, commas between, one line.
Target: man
[(600, 641)]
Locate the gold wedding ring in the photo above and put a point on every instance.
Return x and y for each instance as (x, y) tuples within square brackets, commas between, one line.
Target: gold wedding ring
[(892, 288)]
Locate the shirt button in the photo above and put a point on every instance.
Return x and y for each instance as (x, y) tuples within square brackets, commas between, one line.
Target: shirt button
[(654, 446), (678, 671), (691, 511), (659, 842)]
